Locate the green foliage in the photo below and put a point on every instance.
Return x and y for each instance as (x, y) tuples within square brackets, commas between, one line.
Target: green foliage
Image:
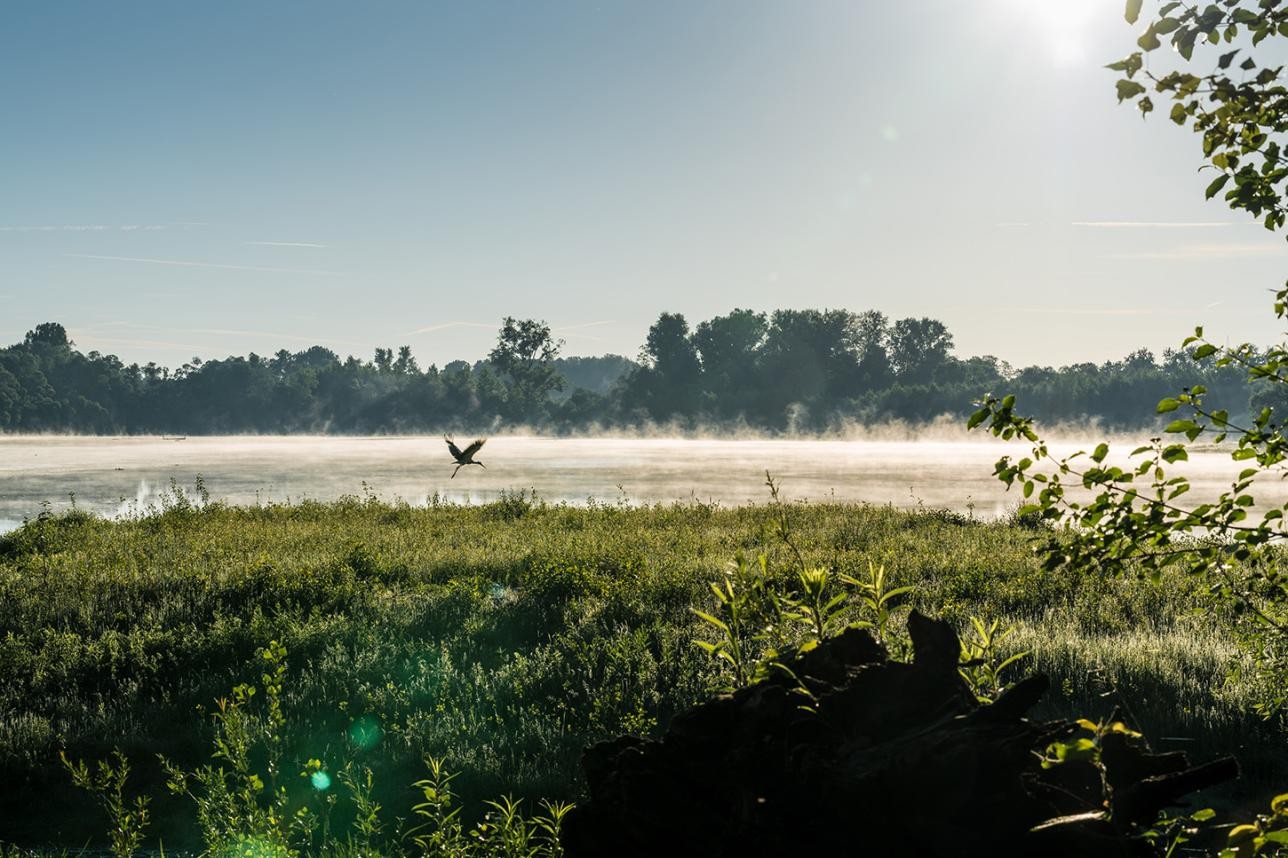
[(736, 599), (525, 355), (1085, 746), (1238, 115), (983, 661), (761, 614), (236, 820), (235, 803), (1132, 521), (876, 603), (106, 782), (1134, 517), (792, 370), (507, 643), (1267, 834)]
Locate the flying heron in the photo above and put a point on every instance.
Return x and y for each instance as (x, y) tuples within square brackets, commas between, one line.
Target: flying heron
[(466, 456)]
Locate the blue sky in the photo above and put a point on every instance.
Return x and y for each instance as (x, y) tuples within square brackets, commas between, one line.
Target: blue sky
[(183, 178)]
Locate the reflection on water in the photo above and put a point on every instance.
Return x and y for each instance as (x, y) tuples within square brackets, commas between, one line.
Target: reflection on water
[(113, 476)]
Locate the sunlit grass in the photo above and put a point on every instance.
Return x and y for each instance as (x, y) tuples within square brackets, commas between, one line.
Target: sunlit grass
[(502, 638)]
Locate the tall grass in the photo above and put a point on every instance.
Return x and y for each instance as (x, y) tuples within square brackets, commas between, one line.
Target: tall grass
[(500, 638)]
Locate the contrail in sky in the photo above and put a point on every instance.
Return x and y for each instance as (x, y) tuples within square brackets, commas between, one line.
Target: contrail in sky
[(286, 243), (431, 328)]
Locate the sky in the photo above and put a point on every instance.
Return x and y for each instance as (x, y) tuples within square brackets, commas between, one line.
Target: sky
[(206, 179)]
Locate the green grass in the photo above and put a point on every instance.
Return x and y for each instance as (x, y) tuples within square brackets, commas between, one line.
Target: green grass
[(504, 638)]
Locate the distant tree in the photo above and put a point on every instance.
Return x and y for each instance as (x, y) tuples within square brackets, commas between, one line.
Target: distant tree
[(728, 347), (406, 363), (808, 359), (1140, 359), (50, 335), (795, 367), (581, 409), (871, 338), (669, 350), (594, 374), (315, 357), (919, 348), (281, 362), (727, 344), (666, 384), (524, 355), (11, 399)]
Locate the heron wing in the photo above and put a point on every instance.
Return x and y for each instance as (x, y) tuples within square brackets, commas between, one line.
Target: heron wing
[(474, 448), (453, 449)]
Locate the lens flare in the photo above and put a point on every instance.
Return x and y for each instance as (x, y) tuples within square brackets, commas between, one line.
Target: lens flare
[(365, 733), (252, 847), (321, 781)]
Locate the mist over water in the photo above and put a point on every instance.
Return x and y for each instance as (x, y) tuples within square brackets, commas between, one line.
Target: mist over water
[(123, 476)]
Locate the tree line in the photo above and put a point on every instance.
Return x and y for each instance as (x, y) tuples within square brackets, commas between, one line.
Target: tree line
[(785, 371)]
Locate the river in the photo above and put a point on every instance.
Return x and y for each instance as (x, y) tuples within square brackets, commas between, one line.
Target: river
[(127, 475)]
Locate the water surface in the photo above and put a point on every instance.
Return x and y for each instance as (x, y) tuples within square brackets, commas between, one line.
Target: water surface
[(114, 476)]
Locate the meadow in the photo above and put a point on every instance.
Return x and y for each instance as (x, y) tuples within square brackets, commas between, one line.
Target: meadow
[(502, 639)]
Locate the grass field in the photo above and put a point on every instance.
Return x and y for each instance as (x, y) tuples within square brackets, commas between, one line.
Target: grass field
[(506, 637)]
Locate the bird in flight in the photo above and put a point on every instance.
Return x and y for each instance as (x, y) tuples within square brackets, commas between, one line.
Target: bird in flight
[(466, 456)]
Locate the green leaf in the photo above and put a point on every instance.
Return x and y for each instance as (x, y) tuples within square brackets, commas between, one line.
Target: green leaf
[(1164, 406), (1101, 451), (897, 591), (1203, 351), (705, 617), (1128, 89), (1217, 184), (1132, 13)]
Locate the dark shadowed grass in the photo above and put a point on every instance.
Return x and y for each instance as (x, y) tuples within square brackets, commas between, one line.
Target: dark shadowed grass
[(503, 638)]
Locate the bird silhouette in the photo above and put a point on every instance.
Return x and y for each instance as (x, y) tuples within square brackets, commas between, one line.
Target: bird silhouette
[(466, 456)]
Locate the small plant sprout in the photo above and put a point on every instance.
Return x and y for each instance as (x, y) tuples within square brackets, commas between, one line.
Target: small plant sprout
[(106, 782), (876, 600), (980, 666)]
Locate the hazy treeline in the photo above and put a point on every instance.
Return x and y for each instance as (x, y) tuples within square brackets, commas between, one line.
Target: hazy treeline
[(789, 370)]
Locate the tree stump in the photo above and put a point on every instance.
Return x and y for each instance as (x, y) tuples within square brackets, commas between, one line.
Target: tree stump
[(881, 758)]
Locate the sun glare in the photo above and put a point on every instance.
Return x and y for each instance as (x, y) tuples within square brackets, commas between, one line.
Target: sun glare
[(1063, 28)]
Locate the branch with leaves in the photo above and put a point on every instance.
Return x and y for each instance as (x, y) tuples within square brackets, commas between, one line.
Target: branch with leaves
[(1132, 520)]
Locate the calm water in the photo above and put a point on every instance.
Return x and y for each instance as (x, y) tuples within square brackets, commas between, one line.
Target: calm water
[(113, 476)]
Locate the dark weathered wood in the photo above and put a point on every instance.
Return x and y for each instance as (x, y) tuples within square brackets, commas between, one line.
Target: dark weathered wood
[(893, 759)]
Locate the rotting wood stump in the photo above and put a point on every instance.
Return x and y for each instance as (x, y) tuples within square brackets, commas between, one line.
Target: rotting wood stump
[(894, 760)]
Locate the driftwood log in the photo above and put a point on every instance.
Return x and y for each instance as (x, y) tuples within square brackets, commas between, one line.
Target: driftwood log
[(894, 759)]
